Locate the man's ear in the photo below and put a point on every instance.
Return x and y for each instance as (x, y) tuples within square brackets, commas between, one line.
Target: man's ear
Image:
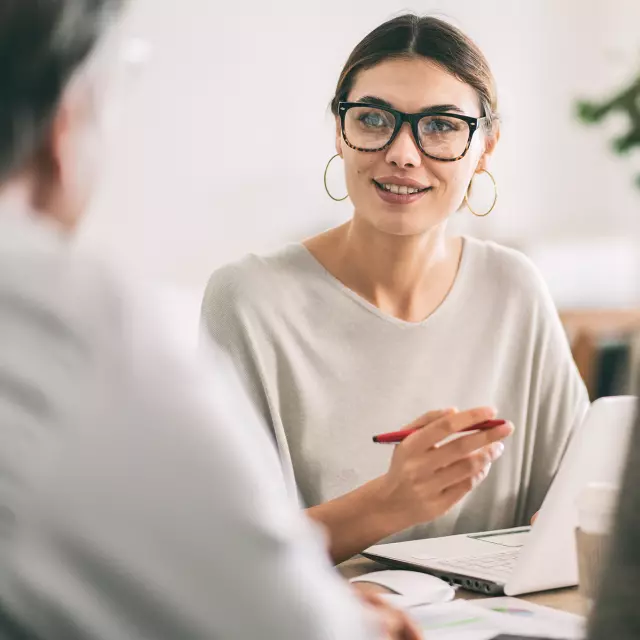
[(48, 162), (64, 165), (60, 134), (489, 147)]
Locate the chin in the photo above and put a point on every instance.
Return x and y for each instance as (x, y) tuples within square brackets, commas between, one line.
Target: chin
[(404, 224)]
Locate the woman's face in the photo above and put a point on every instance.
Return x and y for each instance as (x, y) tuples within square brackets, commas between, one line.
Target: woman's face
[(411, 86)]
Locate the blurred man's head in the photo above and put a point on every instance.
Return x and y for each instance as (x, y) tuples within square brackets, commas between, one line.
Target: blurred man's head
[(49, 115)]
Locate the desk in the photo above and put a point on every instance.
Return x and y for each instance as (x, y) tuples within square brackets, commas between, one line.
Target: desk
[(562, 599)]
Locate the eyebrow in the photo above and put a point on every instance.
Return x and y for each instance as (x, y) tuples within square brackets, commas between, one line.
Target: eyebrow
[(434, 108)]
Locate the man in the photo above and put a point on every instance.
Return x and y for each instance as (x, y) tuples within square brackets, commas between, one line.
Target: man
[(617, 614), (134, 500)]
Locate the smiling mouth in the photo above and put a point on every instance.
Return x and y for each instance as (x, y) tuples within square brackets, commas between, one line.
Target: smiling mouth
[(399, 189)]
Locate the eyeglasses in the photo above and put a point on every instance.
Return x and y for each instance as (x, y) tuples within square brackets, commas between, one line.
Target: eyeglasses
[(439, 135)]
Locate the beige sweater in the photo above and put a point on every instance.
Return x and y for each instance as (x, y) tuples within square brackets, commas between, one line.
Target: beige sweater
[(327, 370)]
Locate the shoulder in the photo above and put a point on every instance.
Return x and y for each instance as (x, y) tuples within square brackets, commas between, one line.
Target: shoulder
[(236, 281), (62, 322), (506, 269), (254, 282), (83, 337), (53, 291), (74, 321)]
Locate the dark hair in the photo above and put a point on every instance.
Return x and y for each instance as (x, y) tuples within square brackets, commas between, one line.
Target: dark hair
[(412, 36), (42, 44)]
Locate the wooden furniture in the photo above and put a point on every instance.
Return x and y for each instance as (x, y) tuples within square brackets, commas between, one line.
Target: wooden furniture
[(563, 599), (588, 328)]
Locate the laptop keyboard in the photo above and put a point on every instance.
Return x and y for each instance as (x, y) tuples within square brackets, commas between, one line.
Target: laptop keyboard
[(496, 565)]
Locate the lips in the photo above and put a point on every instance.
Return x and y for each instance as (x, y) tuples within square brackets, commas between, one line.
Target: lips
[(400, 190), (399, 194)]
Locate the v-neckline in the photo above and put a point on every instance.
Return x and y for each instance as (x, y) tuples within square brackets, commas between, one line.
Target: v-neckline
[(454, 292)]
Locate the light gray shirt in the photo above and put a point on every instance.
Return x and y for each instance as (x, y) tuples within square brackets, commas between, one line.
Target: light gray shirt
[(327, 370), (139, 496)]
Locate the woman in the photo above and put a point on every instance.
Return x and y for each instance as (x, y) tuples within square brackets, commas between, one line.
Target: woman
[(362, 328)]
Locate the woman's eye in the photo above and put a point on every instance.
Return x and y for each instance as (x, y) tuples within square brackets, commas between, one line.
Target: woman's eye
[(373, 120), (438, 126)]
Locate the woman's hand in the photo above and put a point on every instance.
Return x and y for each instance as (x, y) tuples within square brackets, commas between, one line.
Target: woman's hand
[(395, 624), (425, 480)]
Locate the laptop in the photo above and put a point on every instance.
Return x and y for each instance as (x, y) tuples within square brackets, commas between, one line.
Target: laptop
[(529, 559)]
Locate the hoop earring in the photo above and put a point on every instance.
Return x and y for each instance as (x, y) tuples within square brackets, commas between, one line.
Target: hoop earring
[(326, 187), (495, 196)]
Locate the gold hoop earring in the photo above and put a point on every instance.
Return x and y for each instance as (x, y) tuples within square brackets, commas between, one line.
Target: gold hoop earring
[(326, 187), (495, 196)]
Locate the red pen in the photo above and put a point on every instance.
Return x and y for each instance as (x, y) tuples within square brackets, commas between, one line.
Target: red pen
[(396, 437)]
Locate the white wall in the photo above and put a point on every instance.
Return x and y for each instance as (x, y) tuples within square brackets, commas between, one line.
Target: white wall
[(226, 136)]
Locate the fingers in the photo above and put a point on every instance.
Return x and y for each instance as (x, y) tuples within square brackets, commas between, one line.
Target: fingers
[(429, 417), (448, 425), (391, 622), (411, 630), (463, 447), (396, 625), (453, 494), (475, 466), (406, 628), (455, 491)]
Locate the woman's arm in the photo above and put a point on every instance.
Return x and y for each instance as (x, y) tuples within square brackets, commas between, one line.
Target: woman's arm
[(558, 401), (357, 520)]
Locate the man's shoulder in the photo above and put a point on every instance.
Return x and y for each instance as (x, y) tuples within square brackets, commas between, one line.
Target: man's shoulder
[(61, 325), (52, 291)]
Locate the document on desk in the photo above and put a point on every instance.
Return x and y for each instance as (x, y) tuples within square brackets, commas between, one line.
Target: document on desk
[(487, 619), (551, 622)]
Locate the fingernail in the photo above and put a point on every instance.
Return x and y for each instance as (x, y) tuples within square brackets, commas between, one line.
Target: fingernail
[(498, 449)]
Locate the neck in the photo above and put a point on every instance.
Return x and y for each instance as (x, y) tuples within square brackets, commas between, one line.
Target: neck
[(405, 276), (17, 200), (394, 263)]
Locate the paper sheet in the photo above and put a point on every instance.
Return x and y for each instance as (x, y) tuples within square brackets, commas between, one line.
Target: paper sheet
[(485, 619)]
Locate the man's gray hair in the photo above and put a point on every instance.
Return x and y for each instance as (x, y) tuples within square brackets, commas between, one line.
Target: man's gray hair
[(42, 44)]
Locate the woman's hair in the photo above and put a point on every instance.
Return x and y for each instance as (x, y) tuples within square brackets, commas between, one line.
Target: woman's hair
[(41, 46), (411, 36)]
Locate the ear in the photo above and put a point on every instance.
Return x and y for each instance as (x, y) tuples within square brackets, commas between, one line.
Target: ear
[(65, 162), (49, 164), (489, 147), (338, 137), (60, 138)]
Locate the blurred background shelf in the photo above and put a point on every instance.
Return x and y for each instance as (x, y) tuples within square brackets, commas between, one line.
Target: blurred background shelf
[(605, 343)]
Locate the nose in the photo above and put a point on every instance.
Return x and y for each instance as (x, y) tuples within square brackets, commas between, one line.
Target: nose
[(404, 152)]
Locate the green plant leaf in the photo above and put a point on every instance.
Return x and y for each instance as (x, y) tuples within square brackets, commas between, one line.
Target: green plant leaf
[(588, 112)]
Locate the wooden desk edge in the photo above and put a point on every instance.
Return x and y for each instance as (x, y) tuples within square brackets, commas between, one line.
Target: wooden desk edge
[(568, 600)]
